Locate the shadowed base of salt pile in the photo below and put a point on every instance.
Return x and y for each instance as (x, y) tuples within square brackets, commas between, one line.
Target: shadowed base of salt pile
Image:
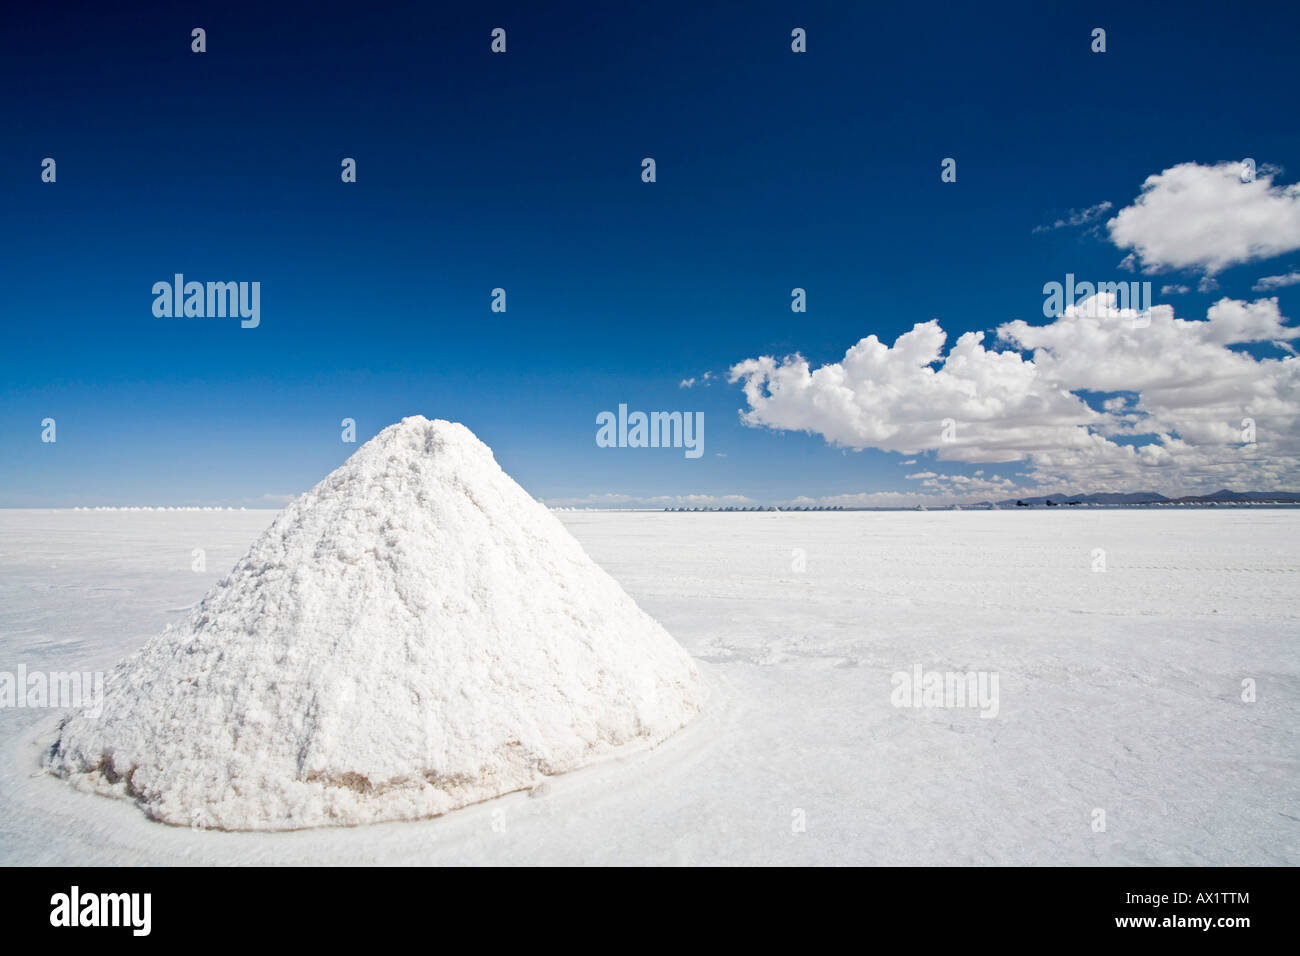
[(413, 635)]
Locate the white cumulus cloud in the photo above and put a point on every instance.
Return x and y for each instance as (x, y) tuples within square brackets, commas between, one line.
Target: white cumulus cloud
[(1184, 389), (1192, 216), (898, 398)]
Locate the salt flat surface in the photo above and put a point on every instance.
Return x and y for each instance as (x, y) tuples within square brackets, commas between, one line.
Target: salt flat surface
[(1118, 691)]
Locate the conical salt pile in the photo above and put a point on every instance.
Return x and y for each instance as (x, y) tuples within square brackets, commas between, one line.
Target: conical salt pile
[(414, 634)]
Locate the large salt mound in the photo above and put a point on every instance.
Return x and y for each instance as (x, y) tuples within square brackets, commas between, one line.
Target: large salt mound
[(412, 635)]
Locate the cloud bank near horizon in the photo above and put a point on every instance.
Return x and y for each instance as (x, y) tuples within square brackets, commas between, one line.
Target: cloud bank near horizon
[(1100, 398)]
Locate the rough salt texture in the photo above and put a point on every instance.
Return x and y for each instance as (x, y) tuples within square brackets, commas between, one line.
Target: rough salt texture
[(412, 635)]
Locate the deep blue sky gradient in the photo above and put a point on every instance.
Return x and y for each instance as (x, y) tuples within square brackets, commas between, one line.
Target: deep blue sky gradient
[(522, 171)]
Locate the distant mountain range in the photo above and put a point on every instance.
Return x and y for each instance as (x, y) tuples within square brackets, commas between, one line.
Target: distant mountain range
[(1152, 498), (1102, 499)]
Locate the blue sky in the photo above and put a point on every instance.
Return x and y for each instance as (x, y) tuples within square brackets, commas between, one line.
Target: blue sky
[(775, 170)]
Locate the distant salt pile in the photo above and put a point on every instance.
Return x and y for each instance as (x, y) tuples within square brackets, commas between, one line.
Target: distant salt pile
[(412, 635)]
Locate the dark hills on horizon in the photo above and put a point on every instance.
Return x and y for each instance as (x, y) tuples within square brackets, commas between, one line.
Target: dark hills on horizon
[(1223, 495), (1101, 499)]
